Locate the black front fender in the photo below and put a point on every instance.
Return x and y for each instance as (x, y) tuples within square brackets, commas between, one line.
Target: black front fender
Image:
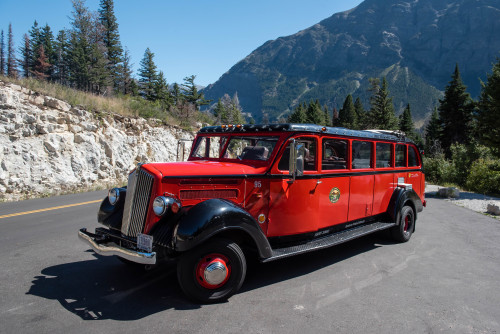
[(213, 216), (111, 215)]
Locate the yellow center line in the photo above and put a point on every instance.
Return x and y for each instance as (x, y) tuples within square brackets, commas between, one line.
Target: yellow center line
[(48, 209)]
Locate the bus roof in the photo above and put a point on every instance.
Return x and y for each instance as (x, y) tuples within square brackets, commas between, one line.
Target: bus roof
[(312, 128)]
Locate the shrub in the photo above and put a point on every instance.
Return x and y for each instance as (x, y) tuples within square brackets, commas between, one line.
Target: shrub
[(484, 176), (437, 169)]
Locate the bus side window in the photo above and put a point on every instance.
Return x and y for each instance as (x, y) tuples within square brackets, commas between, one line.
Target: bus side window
[(412, 157), (361, 154), (334, 154), (400, 155), (384, 155)]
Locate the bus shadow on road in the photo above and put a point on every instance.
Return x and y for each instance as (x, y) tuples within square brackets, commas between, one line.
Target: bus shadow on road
[(105, 288), (264, 274)]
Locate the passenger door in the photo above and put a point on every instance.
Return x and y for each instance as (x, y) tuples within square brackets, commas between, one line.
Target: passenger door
[(333, 191), (294, 206), (362, 181)]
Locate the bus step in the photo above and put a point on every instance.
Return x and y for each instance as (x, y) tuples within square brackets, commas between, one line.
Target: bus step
[(329, 240)]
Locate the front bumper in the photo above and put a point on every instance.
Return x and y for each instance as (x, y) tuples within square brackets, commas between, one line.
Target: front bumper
[(107, 248)]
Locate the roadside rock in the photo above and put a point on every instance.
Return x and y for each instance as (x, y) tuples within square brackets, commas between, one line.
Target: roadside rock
[(493, 209), (49, 146)]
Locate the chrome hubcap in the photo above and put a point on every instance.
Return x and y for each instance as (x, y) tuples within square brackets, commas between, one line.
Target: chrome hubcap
[(215, 273)]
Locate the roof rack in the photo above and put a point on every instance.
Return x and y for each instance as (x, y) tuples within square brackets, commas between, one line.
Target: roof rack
[(370, 134)]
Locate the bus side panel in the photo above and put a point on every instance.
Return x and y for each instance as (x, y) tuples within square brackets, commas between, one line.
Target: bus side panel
[(361, 197), (333, 196), (382, 192)]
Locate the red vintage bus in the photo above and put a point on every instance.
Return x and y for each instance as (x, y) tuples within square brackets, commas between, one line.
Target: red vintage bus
[(271, 190)]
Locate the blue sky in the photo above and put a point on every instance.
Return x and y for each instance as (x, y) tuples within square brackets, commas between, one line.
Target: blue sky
[(200, 37)]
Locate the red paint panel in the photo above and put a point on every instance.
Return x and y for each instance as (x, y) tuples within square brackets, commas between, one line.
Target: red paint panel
[(332, 212), (382, 192), (361, 198), (257, 200), (293, 207)]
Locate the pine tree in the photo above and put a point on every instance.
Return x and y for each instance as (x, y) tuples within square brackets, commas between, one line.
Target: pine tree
[(236, 110), (298, 115), (347, 115), (314, 114), (161, 92), (190, 93), (47, 41), (360, 114), (176, 94), (433, 134), (34, 35), (61, 69), (335, 118), (489, 110), (381, 114), (220, 113), (327, 115), (147, 75), (125, 79), (406, 123), (42, 66), (2, 54), (79, 49), (11, 55), (25, 51), (111, 40), (455, 113)]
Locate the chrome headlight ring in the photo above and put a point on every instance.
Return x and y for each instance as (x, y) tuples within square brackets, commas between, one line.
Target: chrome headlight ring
[(113, 196), (162, 204)]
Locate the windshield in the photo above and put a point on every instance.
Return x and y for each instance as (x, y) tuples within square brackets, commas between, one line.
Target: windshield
[(238, 148), (250, 148)]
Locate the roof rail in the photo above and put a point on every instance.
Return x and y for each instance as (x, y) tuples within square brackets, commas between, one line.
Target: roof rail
[(397, 133)]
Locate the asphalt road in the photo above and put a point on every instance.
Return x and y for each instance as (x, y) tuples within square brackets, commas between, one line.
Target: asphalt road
[(445, 279)]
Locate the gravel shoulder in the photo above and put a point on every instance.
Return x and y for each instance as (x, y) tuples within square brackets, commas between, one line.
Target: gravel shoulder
[(469, 200)]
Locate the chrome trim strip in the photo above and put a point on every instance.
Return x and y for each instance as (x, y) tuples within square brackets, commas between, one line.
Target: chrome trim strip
[(128, 201), (110, 248)]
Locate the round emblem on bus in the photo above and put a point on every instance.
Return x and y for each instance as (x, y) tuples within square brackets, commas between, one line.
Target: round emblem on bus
[(334, 195)]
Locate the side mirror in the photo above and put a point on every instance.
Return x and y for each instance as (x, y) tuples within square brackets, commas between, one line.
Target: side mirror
[(296, 165)]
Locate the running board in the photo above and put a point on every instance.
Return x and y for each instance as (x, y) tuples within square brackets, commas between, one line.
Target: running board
[(328, 241)]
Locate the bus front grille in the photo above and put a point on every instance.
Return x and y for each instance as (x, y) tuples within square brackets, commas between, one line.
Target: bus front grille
[(140, 184)]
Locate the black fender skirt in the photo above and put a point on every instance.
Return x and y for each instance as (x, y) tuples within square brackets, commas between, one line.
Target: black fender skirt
[(402, 197), (213, 216)]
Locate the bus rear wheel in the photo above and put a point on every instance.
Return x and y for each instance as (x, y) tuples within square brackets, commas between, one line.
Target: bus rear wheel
[(213, 272), (406, 224)]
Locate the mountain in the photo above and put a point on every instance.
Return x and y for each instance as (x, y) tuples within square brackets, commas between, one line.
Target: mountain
[(414, 43)]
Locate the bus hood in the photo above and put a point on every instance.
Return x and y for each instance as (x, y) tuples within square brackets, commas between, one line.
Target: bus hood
[(202, 169)]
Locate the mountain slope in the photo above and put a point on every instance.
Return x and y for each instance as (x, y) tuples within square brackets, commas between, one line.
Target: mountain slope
[(414, 43)]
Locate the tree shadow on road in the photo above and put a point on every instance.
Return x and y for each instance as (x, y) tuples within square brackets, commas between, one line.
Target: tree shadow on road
[(105, 288)]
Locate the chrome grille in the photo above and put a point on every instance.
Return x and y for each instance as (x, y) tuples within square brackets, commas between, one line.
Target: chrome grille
[(136, 205)]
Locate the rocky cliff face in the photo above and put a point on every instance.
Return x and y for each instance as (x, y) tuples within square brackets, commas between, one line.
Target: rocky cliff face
[(49, 147), (414, 43)]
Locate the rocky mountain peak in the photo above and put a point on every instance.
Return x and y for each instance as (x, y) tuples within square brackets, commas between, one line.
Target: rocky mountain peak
[(415, 44)]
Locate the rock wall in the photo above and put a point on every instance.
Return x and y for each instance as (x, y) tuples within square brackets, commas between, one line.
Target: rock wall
[(49, 147)]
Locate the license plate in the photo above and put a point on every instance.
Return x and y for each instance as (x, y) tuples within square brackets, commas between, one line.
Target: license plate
[(145, 242)]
